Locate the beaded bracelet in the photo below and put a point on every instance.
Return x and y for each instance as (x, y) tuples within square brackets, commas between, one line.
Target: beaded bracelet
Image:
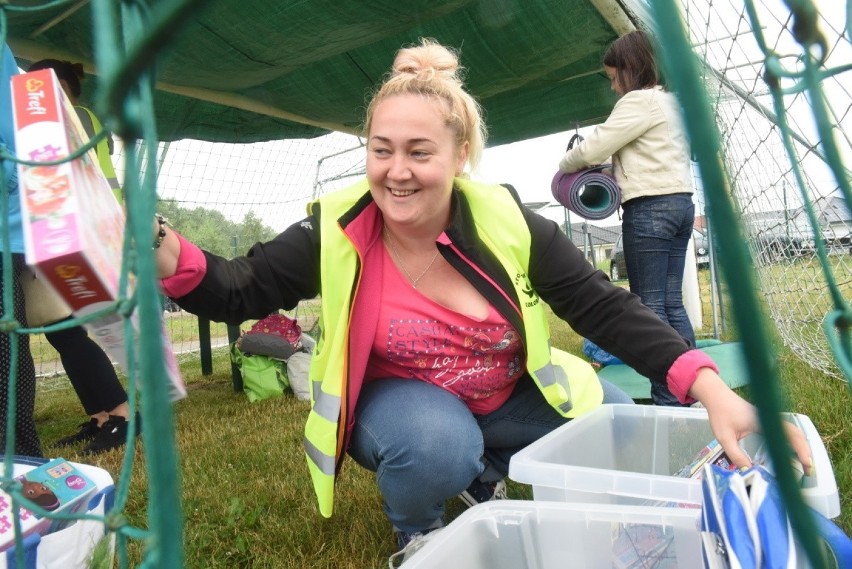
[(161, 233)]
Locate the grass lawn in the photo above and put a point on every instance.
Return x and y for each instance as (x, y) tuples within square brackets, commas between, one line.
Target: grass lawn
[(247, 499)]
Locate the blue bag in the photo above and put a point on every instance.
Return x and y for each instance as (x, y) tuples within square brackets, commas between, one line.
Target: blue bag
[(598, 354), (745, 525)]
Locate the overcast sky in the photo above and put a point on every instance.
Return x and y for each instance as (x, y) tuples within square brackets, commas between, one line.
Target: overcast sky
[(528, 165)]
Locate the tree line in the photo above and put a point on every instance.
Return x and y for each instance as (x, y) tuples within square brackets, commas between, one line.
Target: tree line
[(210, 230)]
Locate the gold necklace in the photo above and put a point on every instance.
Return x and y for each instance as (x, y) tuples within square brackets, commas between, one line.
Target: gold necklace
[(390, 241)]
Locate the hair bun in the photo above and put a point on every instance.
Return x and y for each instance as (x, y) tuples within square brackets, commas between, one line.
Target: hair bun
[(427, 60)]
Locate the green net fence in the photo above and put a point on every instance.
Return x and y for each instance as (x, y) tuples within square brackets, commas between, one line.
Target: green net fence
[(783, 129), (789, 75), (767, 98)]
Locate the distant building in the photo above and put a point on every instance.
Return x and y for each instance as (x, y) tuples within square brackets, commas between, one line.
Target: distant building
[(836, 219), (787, 233), (594, 240)]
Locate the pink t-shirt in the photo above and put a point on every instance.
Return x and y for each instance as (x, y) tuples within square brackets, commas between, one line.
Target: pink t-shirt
[(477, 360)]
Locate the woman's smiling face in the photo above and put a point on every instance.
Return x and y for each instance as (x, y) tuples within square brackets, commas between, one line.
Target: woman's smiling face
[(412, 158)]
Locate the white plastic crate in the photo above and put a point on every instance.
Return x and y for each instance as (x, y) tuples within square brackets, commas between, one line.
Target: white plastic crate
[(627, 454), (510, 534)]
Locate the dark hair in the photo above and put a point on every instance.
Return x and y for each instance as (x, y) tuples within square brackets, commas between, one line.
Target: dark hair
[(632, 57), (71, 73)]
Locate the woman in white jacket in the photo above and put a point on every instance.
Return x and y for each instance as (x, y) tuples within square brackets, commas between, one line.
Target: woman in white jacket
[(645, 138)]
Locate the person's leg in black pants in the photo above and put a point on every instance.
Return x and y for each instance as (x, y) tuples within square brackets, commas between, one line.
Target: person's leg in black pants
[(26, 437), (94, 379)]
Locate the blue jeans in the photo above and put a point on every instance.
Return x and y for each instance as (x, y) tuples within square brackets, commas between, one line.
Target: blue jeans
[(656, 232), (426, 446)]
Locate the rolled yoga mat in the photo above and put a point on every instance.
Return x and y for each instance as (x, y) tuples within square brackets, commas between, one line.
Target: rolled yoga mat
[(589, 193)]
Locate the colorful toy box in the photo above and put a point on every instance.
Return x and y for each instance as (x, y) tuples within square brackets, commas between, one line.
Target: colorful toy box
[(57, 487), (71, 546), (73, 225)]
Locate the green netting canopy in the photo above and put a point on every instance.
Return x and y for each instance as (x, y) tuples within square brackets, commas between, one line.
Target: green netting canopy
[(252, 70)]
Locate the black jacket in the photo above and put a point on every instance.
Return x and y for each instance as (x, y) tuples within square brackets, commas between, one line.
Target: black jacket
[(280, 273)]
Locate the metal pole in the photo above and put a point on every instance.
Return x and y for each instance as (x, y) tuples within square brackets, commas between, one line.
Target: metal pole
[(236, 376), (205, 346)]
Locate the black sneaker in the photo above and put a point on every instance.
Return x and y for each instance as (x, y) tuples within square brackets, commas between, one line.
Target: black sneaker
[(87, 432), (479, 492), (111, 435)]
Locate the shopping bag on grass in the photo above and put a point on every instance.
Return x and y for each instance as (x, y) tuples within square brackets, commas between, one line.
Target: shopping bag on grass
[(263, 377)]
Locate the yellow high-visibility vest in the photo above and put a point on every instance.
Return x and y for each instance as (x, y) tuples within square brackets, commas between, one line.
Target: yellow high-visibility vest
[(568, 383), (103, 153)]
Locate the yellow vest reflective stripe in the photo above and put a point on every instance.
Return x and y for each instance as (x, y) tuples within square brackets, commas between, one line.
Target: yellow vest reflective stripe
[(328, 370), (569, 384), (325, 404)]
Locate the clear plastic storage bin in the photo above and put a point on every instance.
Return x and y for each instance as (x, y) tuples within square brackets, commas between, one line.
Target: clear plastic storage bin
[(627, 454), (510, 534)]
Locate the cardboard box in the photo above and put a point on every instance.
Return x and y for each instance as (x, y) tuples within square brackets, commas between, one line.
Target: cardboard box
[(73, 225), (59, 487), (630, 454)]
